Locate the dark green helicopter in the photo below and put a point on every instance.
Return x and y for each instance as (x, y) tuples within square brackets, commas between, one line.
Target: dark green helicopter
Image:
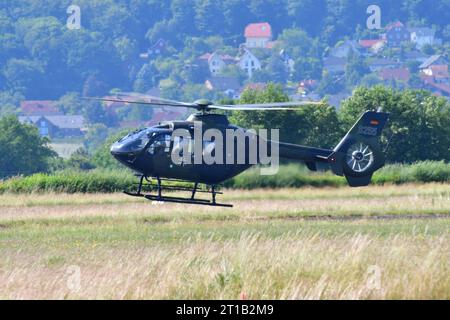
[(150, 152)]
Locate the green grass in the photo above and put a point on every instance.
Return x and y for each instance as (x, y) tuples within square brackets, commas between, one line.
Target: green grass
[(289, 176)]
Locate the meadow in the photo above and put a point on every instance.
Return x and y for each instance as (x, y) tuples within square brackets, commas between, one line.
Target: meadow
[(381, 242)]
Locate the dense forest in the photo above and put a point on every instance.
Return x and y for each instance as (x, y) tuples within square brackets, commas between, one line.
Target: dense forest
[(40, 58)]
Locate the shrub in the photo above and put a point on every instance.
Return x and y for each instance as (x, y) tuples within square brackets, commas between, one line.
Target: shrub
[(289, 176)]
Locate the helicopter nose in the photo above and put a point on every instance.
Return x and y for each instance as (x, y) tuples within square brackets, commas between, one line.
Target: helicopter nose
[(120, 152)]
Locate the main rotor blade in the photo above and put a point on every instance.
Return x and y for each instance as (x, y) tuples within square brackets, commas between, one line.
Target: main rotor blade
[(148, 98), (268, 106), (154, 103)]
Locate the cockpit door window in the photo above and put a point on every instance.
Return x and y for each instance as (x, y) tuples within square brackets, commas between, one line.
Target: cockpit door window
[(160, 144)]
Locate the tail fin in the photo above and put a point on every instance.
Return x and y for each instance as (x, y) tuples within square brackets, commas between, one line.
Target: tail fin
[(359, 153)]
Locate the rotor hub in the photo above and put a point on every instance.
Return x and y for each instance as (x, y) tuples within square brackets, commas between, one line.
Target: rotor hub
[(204, 103), (358, 156)]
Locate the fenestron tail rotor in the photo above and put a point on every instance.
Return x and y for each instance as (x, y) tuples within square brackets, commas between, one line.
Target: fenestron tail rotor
[(202, 105)]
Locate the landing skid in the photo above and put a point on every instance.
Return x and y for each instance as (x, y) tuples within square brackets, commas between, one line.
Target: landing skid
[(145, 182)]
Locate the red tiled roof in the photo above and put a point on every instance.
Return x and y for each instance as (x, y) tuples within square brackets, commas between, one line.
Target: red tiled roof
[(255, 86), (258, 30), (206, 56), (401, 74), (393, 25), (367, 44), (43, 107), (440, 71), (441, 86)]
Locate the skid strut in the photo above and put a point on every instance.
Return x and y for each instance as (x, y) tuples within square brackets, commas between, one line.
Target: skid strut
[(158, 188)]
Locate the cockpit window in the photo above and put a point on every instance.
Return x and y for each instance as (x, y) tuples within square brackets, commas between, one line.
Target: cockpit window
[(134, 142), (160, 144)]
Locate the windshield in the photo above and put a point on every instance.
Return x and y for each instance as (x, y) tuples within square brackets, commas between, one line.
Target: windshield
[(133, 142)]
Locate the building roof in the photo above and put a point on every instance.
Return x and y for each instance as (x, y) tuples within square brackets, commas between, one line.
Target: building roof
[(441, 86), (367, 44), (423, 32), (393, 25), (62, 122), (430, 61), (334, 61), (39, 107), (255, 86), (382, 62), (258, 30), (224, 57), (413, 55), (401, 74), (223, 83), (440, 71)]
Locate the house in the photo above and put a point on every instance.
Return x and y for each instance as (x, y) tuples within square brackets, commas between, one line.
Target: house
[(376, 65), (400, 75), (397, 34), (334, 65), (422, 36), (343, 49), (57, 126), (306, 86), (216, 62), (435, 60), (436, 74), (39, 108), (372, 46), (157, 49), (228, 85), (249, 63), (440, 89), (416, 56), (258, 35)]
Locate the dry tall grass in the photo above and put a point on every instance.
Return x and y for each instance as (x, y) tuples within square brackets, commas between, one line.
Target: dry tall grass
[(114, 247), (293, 266)]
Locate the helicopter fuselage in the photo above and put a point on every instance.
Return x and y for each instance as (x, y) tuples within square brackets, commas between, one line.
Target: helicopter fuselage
[(150, 151)]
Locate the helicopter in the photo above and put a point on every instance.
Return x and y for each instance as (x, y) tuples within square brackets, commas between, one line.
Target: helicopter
[(165, 153)]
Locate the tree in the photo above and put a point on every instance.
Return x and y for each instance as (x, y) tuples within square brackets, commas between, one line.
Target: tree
[(329, 85), (419, 123), (24, 76), (22, 149), (102, 157), (309, 125), (146, 78), (371, 80), (277, 70), (70, 103), (356, 69), (307, 68), (80, 160)]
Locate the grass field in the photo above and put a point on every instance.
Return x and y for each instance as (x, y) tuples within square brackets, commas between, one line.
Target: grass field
[(382, 242)]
